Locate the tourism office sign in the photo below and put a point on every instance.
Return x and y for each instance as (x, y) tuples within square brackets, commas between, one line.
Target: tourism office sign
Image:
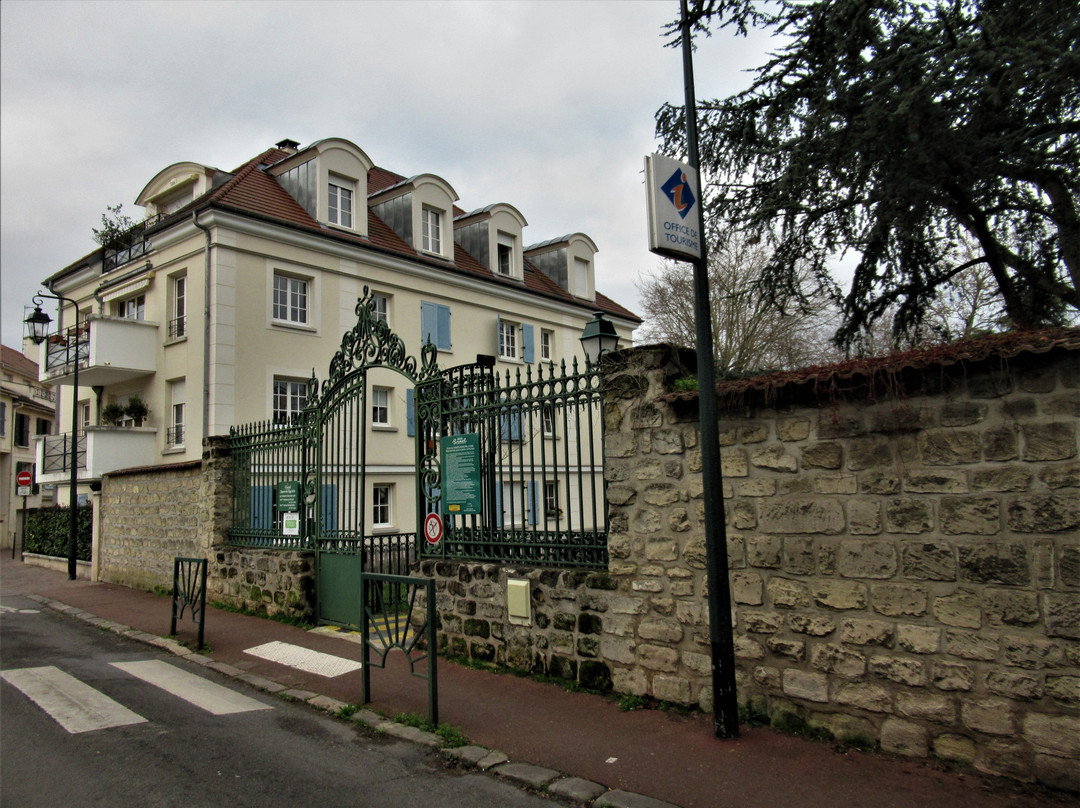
[(673, 201)]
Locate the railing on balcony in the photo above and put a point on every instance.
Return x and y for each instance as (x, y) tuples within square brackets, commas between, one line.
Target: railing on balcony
[(56, 454), (129, 246), (174, 435), (44, 393), (177, 327), (62, 350)]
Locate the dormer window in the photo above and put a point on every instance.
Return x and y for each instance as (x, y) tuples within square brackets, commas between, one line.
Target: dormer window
[(339, 201), (506, 254), (431, 222), (579, 278)]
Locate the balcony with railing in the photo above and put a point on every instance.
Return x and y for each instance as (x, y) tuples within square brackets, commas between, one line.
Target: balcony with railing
[(109, 350), (128, 246), (99, 450)]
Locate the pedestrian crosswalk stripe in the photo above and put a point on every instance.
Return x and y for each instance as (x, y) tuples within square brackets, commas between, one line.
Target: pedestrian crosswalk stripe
[(304, 659), (203, 693), (77, 707)]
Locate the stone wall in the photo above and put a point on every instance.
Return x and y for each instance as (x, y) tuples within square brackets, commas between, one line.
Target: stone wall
[(153, 514), (149, 516), (903, 551)]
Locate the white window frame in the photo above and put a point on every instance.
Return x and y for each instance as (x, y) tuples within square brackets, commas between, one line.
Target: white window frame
[(579, 278), (340, 201), (551, 498), (380, 406), (547, 420), (291, 299), (133, 308), (175, 434), (382, 505), (84, 413), (504, 246), (178, 305), (509, 340), (431, 229), (288, 396), (380, 307), (547, 345)]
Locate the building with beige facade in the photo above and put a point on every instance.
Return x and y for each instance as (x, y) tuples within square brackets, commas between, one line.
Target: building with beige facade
[(27, 410), (237, 287)]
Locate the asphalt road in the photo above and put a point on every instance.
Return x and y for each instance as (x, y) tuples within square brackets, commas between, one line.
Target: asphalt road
[(257, 750)]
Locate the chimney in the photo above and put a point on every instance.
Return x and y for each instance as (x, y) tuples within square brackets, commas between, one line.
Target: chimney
[(288, 145)]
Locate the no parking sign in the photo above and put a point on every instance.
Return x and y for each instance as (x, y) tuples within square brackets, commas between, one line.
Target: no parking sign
[(433, 528)]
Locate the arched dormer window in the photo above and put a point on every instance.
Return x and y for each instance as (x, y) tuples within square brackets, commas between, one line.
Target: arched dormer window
[(420, 210), (492, 235), (329, 180), (174, 187), (569, 261)]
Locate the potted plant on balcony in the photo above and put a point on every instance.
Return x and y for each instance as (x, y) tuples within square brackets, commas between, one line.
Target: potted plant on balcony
[(113, 414), (137, 410)]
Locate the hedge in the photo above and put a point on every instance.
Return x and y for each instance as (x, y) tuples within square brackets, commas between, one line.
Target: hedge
[(47, 531)]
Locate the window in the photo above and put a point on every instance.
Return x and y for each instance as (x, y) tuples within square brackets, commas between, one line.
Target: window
[(290, 299), (380, 406), (547, 345), (290, 396), (381, 506), (134, 308), (508, 340), (506, 254), (435, 325), (547, 419), (579, 281), (178, 321), (339, 205), (380, 306), (44, 426), (431, 221), (174, 435), (517, 502), (84, 414), (3, 417), (551, 499), (22, 429)]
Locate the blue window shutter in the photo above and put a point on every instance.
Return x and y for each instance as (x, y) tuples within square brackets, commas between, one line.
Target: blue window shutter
[(534, 500), (498, 335), (262, 507), (429, 325), (328, 507), (443, 315), (410, 411), (528, 352), (515, 424)]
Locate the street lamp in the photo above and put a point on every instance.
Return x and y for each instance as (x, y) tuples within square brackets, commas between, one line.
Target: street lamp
[(598, 338), (38, 323)]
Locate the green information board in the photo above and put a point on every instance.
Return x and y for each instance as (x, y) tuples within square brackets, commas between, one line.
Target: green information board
[(461, 489), (288, 496)]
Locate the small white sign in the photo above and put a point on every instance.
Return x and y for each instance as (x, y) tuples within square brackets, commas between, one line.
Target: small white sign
[(673, 201), (290, 524), (22, 491)]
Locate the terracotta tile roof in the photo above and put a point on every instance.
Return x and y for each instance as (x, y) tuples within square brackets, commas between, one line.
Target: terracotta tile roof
[(892, 372), (253, 191), (18, 362)]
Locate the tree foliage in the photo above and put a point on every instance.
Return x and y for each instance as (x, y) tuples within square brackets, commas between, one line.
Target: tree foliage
[(750, 333), (897, 130), (114, 224)]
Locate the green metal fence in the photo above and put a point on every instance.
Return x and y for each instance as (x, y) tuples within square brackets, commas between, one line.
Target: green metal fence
[(265, 455)]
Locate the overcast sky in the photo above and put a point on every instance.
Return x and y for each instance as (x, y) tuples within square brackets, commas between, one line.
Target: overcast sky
[(544, 104)]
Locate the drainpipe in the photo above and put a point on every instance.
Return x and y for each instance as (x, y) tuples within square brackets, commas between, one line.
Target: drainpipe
[(206, 329)]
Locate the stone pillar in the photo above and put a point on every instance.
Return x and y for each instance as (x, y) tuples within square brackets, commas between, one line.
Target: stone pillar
[(215, 493)]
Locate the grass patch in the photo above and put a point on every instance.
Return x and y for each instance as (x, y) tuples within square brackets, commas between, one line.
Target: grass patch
[(279, 617), (452, 737), (753, 715), (685, 384), (850, 740), (347, 711), (476, 665), (628, 703)]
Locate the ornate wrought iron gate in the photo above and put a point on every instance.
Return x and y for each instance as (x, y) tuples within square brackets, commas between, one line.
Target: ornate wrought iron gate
[(539, 497)]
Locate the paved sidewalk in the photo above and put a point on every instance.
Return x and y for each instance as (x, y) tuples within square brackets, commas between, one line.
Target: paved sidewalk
[(579, 747)]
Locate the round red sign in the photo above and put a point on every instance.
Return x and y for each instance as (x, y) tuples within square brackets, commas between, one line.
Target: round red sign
[(433, 528), (24, 478)]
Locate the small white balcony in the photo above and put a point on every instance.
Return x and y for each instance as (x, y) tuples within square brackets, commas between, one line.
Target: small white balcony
[(110, 350), (100, 449)]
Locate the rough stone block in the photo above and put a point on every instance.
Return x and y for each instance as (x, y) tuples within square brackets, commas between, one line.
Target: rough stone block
[(971, 645), (840, 594), (762, 622), (952, 676), (794, 649), (801, 515), (991, 715), (879, 482), (926, 705), (822, 456), (764, 551), (904, 738), (792, 429), (906, 671), (657, 658), (936, 481), (960, 609), (1051, 441), (928, 561), (994, 563), (1015, 684), (755, 487), (869, 452), (733, 463), (787, 594), (1000, 443), (1007, 478), (798, 555), (867, 559), (838, 659), (813, 625), (898, 600), (671, 688), (746, 648), (1061, 476), (908, 515), (955, 748), (660, 630), (1044, 514), (976, 515), (1053, 734), (874, 698), (837, 423), (864, 517), (806, 685), (962, 413), (1010, 607), (859, 631), (773, 458), (949, 447), (1062, 614), (746, 587), (1064, 689), (836, 484)]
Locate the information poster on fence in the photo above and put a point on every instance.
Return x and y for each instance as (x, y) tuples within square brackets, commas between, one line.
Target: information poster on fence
[(461, 489)]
